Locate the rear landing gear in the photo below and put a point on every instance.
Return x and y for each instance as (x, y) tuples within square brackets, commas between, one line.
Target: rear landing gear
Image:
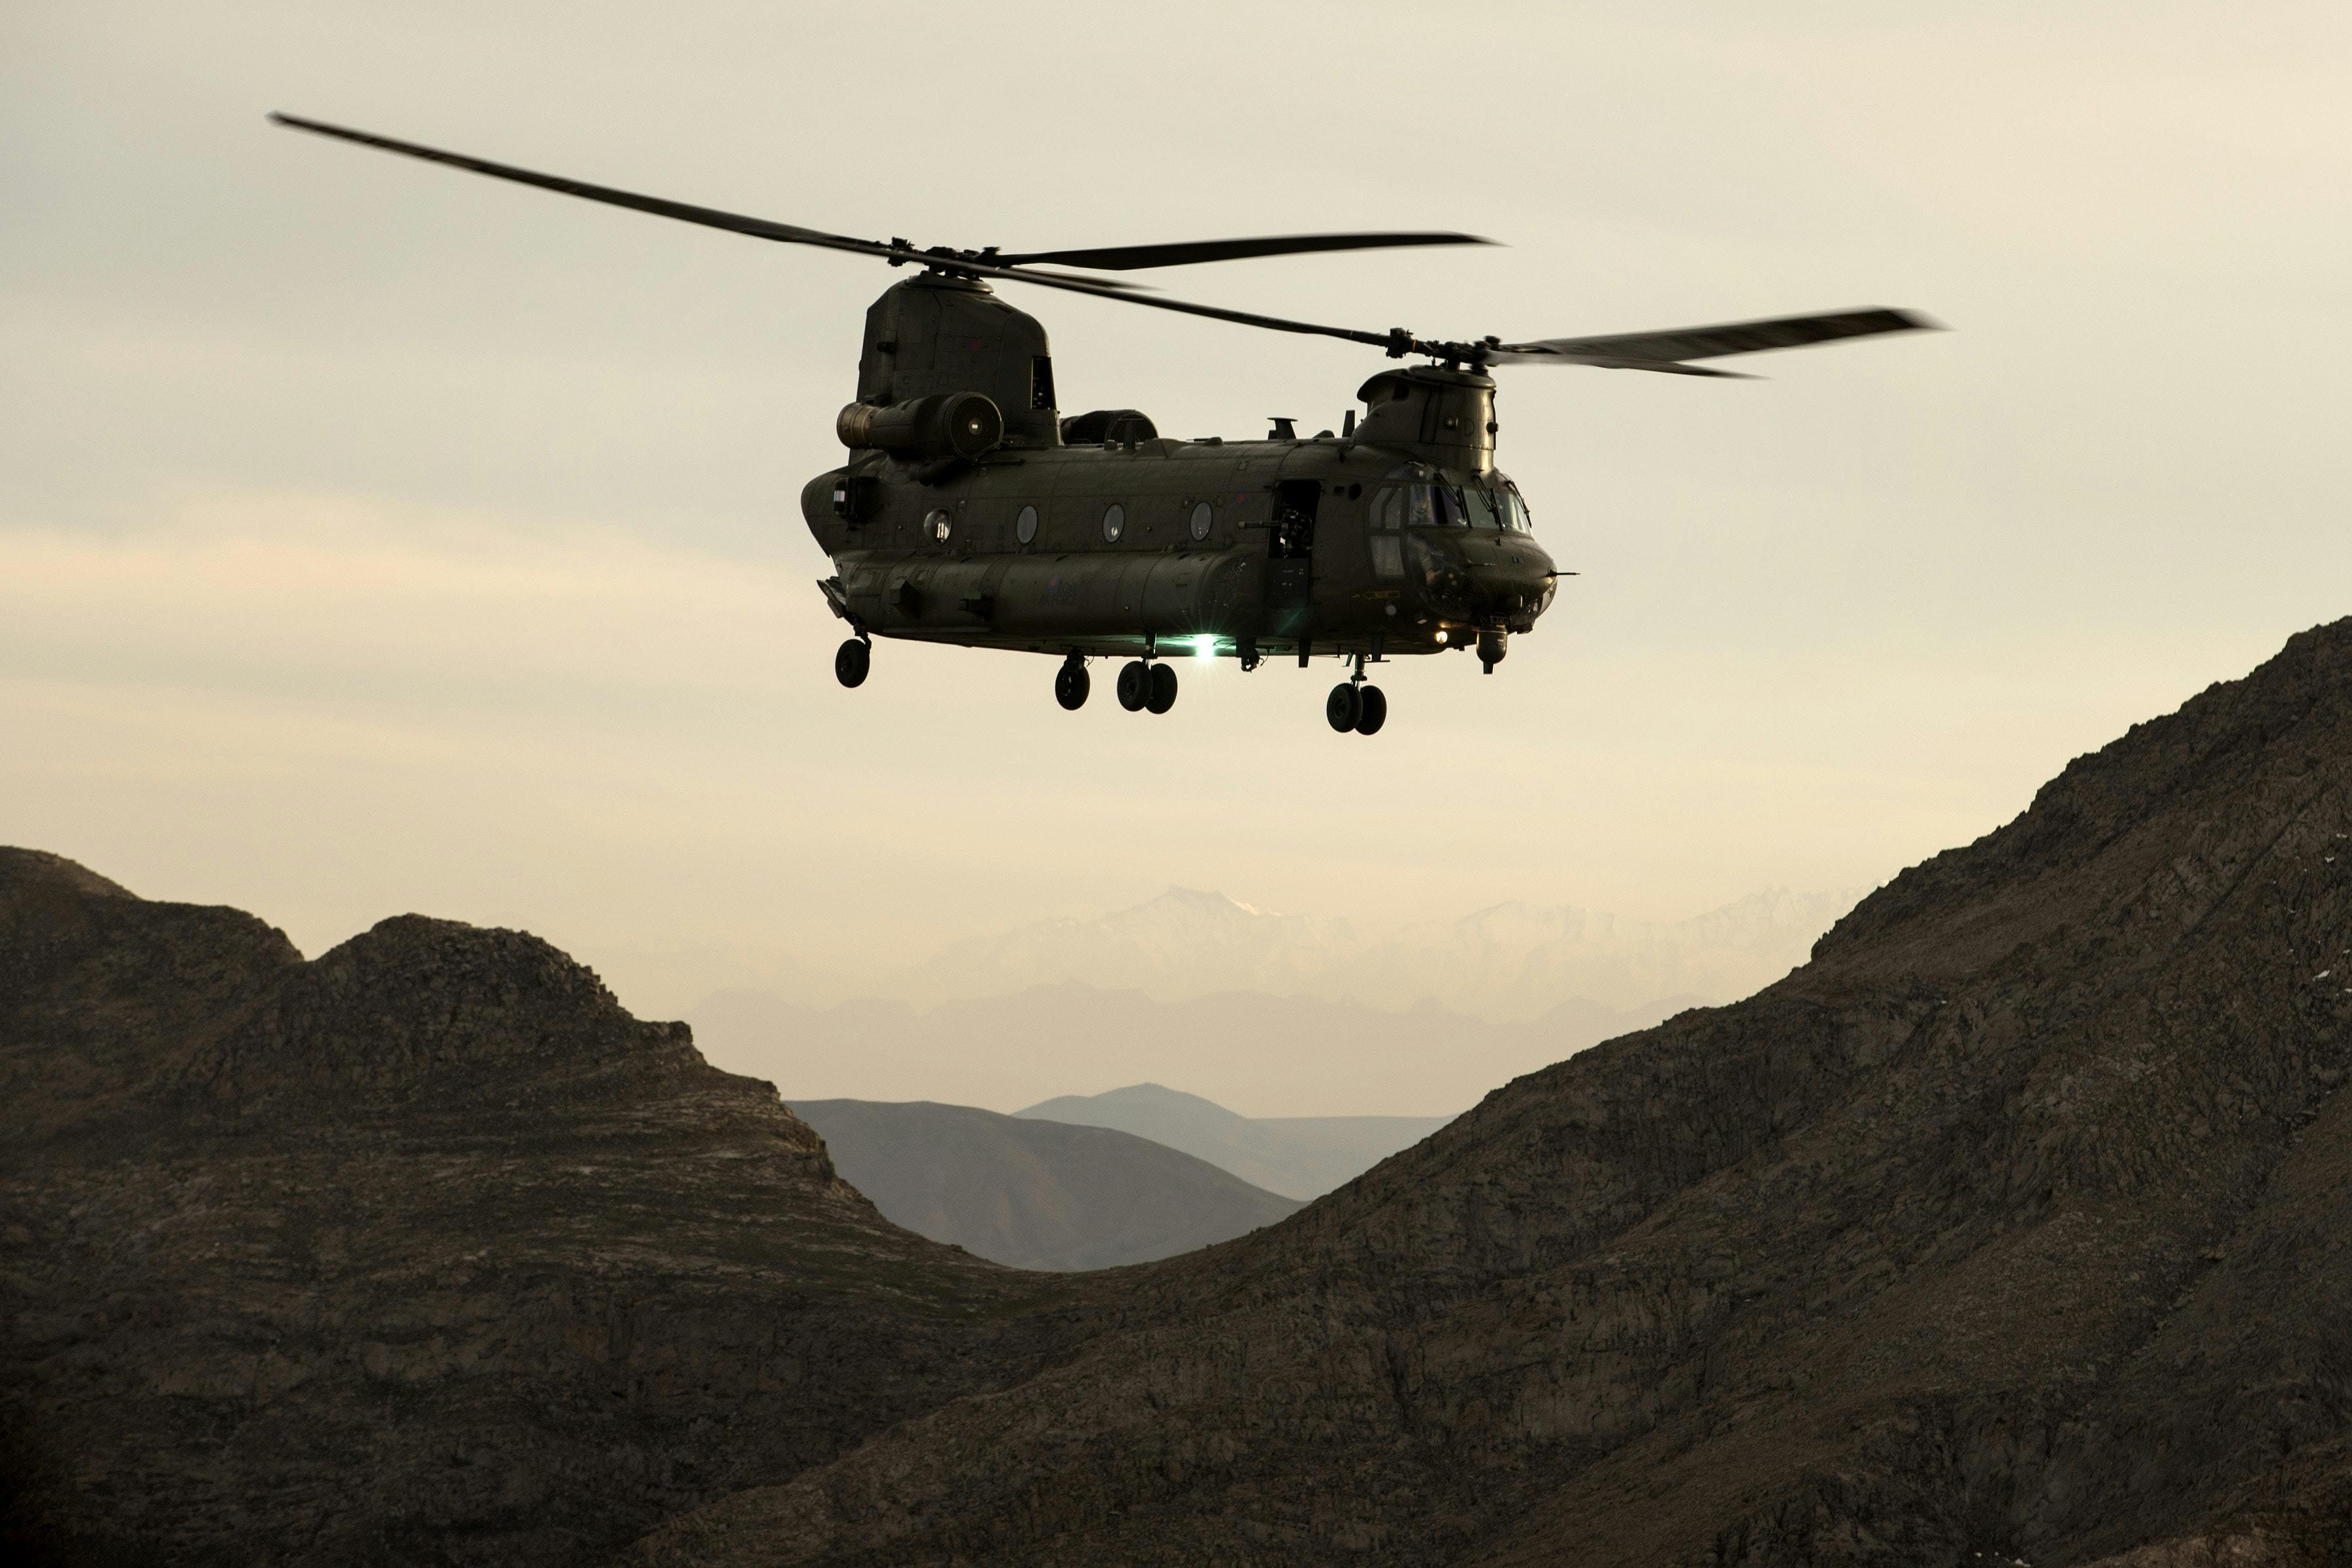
[(1143, 686), (1071, 682), (851, 660)]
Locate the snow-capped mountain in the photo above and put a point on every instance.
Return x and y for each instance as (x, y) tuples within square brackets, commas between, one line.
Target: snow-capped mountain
[(1508, 963), (1515, 961), (1182, 943)]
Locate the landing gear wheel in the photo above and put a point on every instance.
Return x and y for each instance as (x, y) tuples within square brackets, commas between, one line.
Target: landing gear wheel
[(1134, 685), (1373, 709), (1070, 684), (851, 660), (1343, 708), (1162, 696)]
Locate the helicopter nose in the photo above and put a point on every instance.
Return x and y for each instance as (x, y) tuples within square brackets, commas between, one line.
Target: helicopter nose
[(1514, 586)]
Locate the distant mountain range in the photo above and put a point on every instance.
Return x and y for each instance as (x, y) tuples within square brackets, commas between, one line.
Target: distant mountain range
[(1509, 963), (1246, 1048), (1261, 1009), (1035, 1193), (1298, 1156)]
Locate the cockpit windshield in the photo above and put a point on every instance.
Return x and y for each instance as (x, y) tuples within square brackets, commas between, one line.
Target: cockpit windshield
[(1429, 497)]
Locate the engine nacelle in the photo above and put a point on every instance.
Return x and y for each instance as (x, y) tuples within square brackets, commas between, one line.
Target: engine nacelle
[(946, 425)]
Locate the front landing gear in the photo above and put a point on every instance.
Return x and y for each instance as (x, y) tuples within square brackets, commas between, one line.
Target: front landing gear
[(1343, 707), (1071, 683), (1353, 705), (851, 661)]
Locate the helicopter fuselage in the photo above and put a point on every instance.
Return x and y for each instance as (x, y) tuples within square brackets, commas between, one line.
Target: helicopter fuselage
[(1242, 548), (1097, 536)]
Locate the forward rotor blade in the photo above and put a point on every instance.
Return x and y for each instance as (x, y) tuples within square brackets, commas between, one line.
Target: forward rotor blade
[(764, 228), (712, 217), (1126, 257), (1668, 351)]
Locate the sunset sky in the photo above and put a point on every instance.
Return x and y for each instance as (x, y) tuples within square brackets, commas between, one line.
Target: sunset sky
[(377, 538)]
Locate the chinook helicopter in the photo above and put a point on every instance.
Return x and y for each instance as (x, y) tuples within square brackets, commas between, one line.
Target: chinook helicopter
[(971, 512)]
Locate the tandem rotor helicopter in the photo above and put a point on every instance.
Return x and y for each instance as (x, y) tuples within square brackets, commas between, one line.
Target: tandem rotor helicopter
[(970, 511)]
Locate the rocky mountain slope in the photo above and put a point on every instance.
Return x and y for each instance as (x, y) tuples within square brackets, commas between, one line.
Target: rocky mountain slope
[(1298, 1156), (2017, 1225), (423, 1251), (1035, 1193)]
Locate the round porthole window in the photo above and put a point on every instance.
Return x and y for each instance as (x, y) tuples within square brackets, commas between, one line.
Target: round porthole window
[(938, 525), (1025, 527), (1201, 516), (1114, 522)]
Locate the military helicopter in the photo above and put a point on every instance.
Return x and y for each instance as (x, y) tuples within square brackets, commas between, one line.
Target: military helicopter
[(970, 511)]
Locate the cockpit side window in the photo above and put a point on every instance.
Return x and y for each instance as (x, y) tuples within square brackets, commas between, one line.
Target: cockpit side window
[(1518, 517)]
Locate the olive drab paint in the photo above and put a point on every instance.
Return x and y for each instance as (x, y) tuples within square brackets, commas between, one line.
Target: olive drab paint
[(971, 512), (1286, 556)]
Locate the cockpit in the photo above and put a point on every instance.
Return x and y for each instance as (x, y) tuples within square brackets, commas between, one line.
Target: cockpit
[(1427, 523), (1433, 498)]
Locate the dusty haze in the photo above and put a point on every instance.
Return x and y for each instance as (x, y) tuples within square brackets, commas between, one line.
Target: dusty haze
[(373, 537)]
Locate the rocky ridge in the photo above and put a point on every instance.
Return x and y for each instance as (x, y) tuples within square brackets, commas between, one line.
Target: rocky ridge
[(423, 1251), (2016, 1225)]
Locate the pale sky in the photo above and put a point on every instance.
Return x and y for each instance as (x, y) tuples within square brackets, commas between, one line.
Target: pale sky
[(375, 537)]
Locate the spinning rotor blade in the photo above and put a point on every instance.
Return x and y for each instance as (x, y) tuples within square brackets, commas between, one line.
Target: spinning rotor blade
[(977, 265), (1631, 350), (1668, 351), (1125, 258), (712, 217)]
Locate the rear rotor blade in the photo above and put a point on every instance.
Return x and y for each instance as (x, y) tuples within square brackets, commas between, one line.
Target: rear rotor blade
[(1668, 351), (1125, 258)]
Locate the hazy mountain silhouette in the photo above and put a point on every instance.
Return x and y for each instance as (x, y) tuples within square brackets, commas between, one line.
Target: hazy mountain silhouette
[(1035, 1193), (1300, 1052), (1298, 1156), (1508, 962)]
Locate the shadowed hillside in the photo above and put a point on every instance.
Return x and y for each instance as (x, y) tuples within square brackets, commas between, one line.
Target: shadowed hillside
[(2018, 1223), (1036, 1194), (423, 1251)]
